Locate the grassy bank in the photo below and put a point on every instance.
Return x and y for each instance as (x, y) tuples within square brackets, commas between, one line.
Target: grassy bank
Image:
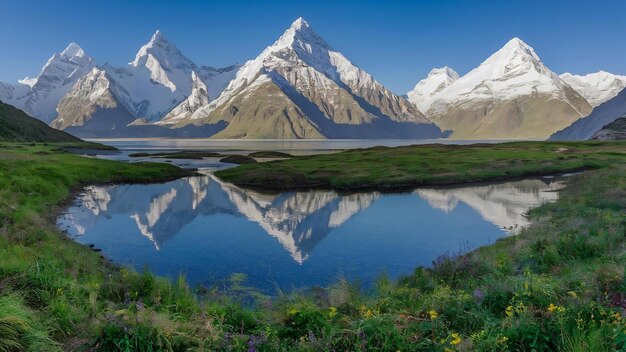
[(559, 285), (412, 166)]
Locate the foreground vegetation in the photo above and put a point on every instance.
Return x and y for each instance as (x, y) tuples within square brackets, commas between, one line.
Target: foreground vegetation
[(17, 126), (414, 166), (557, 286)]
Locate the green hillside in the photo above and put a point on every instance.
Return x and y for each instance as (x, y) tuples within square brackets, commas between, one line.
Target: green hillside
[(17, 126)]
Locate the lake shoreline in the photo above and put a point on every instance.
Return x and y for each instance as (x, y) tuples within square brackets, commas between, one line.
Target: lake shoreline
[(508, 289)]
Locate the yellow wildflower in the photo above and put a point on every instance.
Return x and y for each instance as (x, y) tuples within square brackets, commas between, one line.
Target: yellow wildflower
[(553, 308), (572, 294), (433, 314), (509, 311), (502, 340), (456, 339), (366, 312), (332, 312)]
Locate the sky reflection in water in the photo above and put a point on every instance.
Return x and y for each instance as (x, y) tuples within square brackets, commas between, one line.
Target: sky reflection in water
[(208, 229)]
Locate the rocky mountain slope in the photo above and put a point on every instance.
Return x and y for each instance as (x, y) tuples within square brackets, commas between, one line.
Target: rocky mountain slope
[(614, 131), (512, 94), (300, 87), (601, 116), (125, 102), (39, 96)]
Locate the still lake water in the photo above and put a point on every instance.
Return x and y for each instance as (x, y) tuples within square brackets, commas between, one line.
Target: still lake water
[(208, 229)]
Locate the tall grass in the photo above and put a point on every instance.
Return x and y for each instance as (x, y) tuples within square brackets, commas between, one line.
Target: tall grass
[(20, 330)]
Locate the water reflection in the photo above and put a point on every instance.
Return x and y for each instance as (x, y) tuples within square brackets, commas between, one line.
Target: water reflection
[(205, 226), (503, 205)]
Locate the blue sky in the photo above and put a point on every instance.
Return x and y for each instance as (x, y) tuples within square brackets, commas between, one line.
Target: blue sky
[(398, 42)]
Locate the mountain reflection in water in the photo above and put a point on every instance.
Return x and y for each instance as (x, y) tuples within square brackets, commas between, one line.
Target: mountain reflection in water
[(207, 228)]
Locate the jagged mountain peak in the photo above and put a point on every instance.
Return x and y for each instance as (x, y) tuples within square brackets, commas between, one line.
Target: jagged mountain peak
[(300, 87), (514, 57), (512, 94), (299, 23), (73, 50), (301, 37), (164, 52), (55, 79), (438, 79), (446, 70)]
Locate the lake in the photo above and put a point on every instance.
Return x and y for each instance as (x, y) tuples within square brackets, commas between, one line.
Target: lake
[(208, 229)]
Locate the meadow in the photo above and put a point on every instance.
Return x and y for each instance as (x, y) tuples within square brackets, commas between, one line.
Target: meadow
[(557, 286)]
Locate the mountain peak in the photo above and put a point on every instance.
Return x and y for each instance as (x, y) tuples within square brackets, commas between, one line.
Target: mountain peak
[(516, 41), (73, 50), (446, 70), (158, 37), (164, 52), (517, 48), (299, 23), (299, 34)]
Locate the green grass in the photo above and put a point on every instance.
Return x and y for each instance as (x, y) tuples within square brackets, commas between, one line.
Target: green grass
[(557, 286), (17, 126), (412, 166), (238, 159), (185, 154), (268, 154)]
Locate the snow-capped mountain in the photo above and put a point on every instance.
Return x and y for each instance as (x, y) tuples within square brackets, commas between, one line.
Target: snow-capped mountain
[(95, 100), (300, 87), (596, 87), (438, 79), (160, 81), (512, 94), (217, 79), (39, 96), (8, 91), (601, 116), (201, 94)]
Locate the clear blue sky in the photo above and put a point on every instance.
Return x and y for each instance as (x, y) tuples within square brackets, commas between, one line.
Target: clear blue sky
[(398, 42)]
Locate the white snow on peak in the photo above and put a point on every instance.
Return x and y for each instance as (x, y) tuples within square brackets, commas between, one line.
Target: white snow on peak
[(29, 81), (514, 70), (160, 51), (597, 87), (308, 59), (73, 50), (39, 96), (199, 97), (165, 63), (158, 79), (438, 79)]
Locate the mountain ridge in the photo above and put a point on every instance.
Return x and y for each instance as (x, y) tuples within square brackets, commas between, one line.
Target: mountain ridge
[(317, 93), (510, 95)]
